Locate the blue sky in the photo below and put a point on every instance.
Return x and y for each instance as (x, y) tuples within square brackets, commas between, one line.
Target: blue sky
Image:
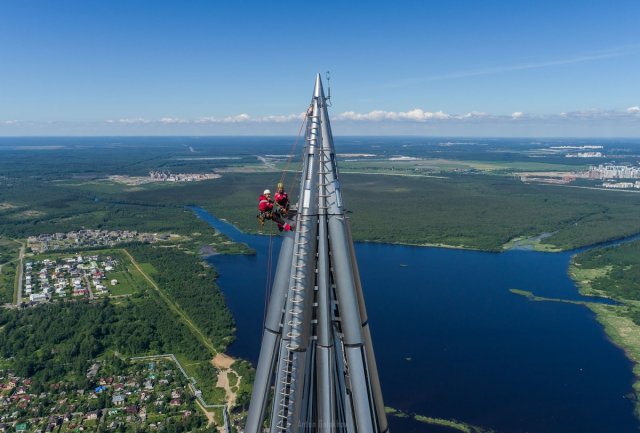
[(497, 68)]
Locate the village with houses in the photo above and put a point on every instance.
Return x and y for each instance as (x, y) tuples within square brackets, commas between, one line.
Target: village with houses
[(136, 396), (91, 239), (74, 276), (163, 176)]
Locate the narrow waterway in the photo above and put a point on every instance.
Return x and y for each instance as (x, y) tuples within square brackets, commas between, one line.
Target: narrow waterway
[(452, 342)]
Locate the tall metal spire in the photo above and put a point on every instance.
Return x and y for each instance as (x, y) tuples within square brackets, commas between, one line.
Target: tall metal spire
[(317, 371)]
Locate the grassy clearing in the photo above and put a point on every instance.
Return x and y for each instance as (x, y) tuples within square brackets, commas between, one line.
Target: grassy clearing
[(148, 269), (129, 282)]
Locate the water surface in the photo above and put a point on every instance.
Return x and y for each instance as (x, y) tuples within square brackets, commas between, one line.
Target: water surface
[(452, 342)]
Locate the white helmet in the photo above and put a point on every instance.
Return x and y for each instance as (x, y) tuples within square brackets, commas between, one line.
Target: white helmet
[(266, 191)]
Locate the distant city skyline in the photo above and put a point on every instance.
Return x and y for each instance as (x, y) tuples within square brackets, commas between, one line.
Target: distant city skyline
[(465, 68)]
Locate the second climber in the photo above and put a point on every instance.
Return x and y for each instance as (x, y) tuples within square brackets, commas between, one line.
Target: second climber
[(282, 199), (265, 207)]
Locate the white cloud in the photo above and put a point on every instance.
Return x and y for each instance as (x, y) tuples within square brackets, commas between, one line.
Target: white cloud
[(130, 121), (244, 117), (415, 115), (352, 115), (419, 115), (282, 118), (172, 120), (593, 114), (472, 114)]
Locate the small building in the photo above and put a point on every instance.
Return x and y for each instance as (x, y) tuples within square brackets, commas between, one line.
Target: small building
[(117, 400), (92, 415), (37, 297), (114, 282)]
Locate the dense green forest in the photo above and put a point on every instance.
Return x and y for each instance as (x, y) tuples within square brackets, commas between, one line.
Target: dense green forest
[(482, 212), (192, 286), (8, 250), (7, 283), (622, 280), (621, 277), (58, 340)]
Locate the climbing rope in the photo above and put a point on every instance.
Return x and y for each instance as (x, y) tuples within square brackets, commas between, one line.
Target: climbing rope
[(292, 153), (268, 283)]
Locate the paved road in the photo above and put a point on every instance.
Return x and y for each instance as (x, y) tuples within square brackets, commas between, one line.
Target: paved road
[(20, 275), (88, 283)]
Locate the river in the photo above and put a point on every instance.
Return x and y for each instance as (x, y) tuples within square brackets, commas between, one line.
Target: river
[(452, 342)]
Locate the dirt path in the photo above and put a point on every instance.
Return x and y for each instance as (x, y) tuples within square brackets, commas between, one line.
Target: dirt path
[(18, 294), (211, 416), (223, 363)]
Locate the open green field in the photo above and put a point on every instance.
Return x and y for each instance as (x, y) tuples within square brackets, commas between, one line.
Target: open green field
[(129, 282), (443, 166), (148, 269)]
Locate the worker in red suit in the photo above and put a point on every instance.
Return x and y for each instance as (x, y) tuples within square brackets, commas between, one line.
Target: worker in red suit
[(265, 206), (282, 199)]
